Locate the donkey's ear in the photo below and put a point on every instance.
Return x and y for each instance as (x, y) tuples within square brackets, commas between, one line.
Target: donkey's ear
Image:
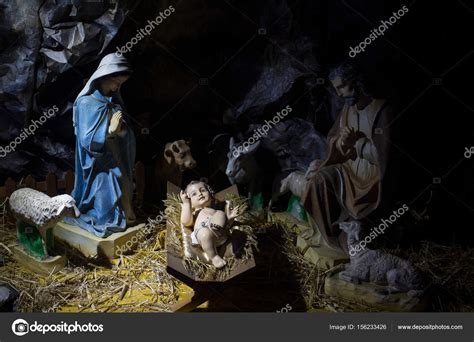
[(252, 148), (188, 141), (231, 142)]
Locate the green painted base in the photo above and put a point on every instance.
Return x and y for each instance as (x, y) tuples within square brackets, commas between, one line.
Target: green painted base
[(256, 201), (296, 209), (31, 239)]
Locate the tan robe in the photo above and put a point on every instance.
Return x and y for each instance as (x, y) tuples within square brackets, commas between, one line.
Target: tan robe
[(345, 189)]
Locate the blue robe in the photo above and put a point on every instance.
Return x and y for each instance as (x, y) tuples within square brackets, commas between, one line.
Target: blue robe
[(103, 165)]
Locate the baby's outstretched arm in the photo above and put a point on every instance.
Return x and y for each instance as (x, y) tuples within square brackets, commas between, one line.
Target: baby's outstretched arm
[(232, 212), (186, 211)]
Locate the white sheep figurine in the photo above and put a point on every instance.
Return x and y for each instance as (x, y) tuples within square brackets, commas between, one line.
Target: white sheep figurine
[(40, 210), (377, 267), (31, 207)]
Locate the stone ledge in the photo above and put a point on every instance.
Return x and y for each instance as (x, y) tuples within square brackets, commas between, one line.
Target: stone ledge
[(92, 246)]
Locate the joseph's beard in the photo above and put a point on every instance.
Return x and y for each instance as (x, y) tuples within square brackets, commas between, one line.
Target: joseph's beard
[(350, 100)]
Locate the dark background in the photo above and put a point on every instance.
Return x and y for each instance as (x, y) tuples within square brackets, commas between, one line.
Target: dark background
[(206, 57)]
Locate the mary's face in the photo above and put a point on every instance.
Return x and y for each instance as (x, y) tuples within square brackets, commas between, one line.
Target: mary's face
[(113, 84), (116, 82)]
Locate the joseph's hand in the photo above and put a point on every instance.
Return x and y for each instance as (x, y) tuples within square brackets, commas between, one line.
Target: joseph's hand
[(348, 137)]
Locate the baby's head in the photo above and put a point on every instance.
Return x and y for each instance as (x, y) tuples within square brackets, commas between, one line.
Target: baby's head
[(200, 193)]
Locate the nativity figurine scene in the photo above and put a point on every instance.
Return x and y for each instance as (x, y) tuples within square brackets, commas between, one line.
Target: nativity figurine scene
[(335, 185), (304, 202)]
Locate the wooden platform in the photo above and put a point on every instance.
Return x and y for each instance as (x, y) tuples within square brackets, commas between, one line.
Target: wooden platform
[(92, 246), (176, 263)]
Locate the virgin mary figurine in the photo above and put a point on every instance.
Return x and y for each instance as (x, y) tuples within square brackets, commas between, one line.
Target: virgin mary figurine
[(105, 151)]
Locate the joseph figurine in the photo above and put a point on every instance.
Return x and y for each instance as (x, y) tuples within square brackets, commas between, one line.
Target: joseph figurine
[(347, 185)]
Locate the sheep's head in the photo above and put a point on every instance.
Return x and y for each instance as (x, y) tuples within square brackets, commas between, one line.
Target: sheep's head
[(353, 230), (65, 205)]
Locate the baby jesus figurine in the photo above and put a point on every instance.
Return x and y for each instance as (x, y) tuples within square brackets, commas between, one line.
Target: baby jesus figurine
[(210, 226)]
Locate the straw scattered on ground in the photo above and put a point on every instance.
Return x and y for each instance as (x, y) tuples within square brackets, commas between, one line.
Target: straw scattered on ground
[(448, 273), (311, 278), (136, 283), (139, 282)]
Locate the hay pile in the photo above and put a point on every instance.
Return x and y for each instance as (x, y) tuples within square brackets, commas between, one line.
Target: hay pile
[(311, 278), (140, 283), (247, 223), (448, 272), (136, 283), (7, 232)]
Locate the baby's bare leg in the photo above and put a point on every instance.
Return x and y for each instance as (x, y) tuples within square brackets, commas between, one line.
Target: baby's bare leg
[(206, 240)]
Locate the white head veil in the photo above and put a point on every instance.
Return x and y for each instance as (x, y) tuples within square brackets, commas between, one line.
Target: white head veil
[(110, 64)]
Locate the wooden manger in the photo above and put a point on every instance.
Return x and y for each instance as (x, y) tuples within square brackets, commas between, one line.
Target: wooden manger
[(190, 260)]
